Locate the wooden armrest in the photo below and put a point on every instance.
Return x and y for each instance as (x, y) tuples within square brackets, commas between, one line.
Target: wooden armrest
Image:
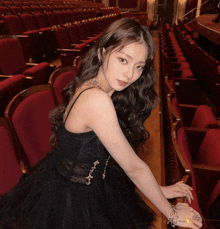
[(34, 64), (74, 45), (69, 50), (21, 36), (188, 107), (31, 64), (5, 76), (209, 168), (2, 77)]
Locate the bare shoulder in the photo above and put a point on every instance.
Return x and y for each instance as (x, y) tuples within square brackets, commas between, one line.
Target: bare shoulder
[(97, 99)]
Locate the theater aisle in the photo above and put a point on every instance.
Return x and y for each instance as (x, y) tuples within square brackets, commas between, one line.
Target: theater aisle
[(152, 152)]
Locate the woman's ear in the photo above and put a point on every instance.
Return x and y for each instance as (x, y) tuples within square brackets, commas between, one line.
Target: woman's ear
[(99, 53)]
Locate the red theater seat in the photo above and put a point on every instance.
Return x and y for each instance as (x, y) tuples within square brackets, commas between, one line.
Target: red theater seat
[(59, 79), (12, 62), (67, 51), (28, 114), (9, 87), (29, 39), (193, 116), (11, 161)]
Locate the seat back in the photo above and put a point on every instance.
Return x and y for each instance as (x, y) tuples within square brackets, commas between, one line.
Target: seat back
[(60, 18), (9, 88), (209, 152), (51, 17), (59, 79), (36, 9), (68, 16), (82, 31), (204, 118), (27, 9), (10, 170), (28, 114), (11, 62), (13, 25), (29, 22), (73, 34), (4, 11), (62, 38), (15, 10), (41, 20)]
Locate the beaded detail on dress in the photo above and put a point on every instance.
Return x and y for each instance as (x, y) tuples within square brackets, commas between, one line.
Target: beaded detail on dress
[(83, 173)]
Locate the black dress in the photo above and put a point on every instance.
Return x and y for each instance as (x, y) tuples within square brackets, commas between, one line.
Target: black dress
[(74, 187)]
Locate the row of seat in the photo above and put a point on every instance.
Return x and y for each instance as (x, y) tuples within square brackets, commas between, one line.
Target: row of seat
[(206, 68), (25, 128), (180, 72), (191, 135), (4, 10), (16, 10), (16, 74), (35, 31), (51, 3), (74, 40)]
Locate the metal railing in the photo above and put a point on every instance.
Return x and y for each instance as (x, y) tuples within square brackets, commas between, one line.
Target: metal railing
[(192, 13)]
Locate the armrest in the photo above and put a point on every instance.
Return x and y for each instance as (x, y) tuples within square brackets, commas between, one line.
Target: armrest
[(21, 36), (5, 76), (188, 112), (68, 56), (69, 50), (73, 45), (34, 64)]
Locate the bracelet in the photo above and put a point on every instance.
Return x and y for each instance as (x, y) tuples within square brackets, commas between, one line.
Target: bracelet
[(173, 219)]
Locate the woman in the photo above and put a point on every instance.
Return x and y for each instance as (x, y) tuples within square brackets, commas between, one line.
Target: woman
[(103, 111)]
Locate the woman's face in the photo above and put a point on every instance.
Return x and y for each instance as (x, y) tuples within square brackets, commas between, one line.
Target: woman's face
[(122, 67)]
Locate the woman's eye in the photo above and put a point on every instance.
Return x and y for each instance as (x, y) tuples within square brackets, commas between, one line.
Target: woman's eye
[(122, 60), (140, 67)]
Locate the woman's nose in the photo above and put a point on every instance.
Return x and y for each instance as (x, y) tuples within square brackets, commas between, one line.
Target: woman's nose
[(129, 72)]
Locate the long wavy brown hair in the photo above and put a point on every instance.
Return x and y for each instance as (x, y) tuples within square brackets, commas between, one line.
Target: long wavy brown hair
[(134, 104)]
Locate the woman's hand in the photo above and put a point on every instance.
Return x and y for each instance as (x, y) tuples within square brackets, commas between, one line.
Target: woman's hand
[(185, 216), (177, 190)]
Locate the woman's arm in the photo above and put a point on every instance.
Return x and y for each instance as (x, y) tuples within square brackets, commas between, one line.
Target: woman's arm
[(99, 114)]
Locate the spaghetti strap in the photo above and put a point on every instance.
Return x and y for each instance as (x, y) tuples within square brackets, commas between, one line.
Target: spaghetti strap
[(74, 103)]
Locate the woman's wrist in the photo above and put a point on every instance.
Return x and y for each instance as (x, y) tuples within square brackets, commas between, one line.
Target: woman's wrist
[(173, 218)]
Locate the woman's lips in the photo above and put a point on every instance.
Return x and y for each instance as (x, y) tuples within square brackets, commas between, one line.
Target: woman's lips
[(122, 83)]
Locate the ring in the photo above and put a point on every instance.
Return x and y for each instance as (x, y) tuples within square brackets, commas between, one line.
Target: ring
[(199, 218), (187, 220)]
